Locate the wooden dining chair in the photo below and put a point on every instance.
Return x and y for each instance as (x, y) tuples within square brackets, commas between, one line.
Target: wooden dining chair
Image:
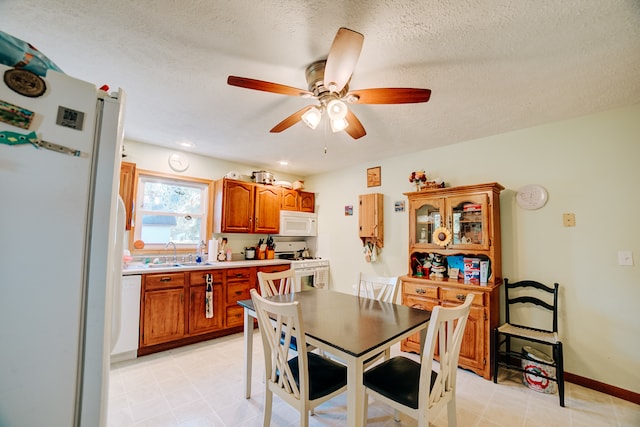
[(525, 301), (304, 381), (414, 388), (279, 283), (379, 288)]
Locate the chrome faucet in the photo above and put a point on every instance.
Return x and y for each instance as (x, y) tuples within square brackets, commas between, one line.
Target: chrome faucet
[(175, 255)]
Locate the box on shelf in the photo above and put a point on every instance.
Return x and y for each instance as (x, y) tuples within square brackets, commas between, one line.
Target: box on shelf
[(472, 270)]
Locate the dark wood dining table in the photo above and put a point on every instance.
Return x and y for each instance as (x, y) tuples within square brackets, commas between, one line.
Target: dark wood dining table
[(351, 328)]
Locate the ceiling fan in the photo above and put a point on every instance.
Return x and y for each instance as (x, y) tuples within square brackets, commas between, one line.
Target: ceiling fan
[(328, 82)]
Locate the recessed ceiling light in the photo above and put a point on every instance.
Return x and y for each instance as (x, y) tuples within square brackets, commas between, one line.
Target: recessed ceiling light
[(283, 163), (186, 144)]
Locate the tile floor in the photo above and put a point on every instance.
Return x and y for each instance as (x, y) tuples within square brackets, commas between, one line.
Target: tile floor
[(201, 385)]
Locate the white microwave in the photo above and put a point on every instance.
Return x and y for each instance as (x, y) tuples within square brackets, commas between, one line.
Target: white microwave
[(293, 223)]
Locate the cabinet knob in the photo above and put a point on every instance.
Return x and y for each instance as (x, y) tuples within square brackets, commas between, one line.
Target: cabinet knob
[(461, 297), (420, 291), (165, 279)]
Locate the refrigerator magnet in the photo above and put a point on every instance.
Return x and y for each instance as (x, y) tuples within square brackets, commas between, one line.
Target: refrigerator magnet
[(25, 82)]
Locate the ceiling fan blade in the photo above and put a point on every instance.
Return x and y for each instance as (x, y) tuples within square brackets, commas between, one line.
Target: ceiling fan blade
[(266, 86), (388, 96), (355, 128), (291, 120), (342, 59)]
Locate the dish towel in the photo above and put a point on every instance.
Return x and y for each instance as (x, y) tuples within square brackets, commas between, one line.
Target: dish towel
[(208, 299)]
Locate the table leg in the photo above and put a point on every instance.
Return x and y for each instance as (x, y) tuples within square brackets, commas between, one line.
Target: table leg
[(423, 338), (355, 393), (248, 351)]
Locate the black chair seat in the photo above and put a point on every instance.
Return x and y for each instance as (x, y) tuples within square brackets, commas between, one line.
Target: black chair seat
[(325, 375), (398, 379)]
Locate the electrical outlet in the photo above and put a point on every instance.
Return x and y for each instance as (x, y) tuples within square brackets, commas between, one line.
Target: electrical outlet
[(569, 220), (625, 258)]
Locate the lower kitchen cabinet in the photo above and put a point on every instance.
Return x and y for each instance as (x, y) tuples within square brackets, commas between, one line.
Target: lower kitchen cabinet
[(198, 321), (475, 351), (163, 305), (173, 305)]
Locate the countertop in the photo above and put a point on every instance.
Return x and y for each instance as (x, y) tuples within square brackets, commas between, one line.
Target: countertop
[(145, 269)]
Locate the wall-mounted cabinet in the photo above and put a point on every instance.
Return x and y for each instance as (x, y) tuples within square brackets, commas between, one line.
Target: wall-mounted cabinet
[(371, 218), (244, 207), (296, 200)]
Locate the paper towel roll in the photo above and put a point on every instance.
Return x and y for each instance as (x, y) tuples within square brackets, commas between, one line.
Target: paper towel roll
[(213, 251)]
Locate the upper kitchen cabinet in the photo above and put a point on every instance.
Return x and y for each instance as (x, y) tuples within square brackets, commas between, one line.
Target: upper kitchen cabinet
[(307, 201), (127, 184), (290, 199), (244, 207), (296, 200)]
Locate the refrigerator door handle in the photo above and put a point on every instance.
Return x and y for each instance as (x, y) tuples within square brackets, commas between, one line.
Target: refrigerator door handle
[(118, 244)]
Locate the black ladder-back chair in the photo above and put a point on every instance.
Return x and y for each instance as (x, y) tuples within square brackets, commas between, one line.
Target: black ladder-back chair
[(508, 330)]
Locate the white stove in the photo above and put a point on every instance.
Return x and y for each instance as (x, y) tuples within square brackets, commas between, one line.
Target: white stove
[(311, 272)]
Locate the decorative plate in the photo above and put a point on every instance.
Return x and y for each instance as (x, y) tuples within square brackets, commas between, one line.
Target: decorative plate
[(531, 196)]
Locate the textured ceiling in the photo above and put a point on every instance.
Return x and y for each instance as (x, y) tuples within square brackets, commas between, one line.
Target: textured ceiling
[(492, 66)]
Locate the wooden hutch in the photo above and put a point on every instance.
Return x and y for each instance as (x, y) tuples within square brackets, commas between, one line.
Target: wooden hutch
[(456, 228)]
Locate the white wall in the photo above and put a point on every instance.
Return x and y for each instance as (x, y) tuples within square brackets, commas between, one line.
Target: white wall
[(590, 167)]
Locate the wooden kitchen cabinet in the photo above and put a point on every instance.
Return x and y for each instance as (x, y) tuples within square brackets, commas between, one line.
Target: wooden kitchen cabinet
[(289, 199), (127, 189), (371, 218), (244, 207), (163, 308), (449, 225), (307, 201), (296, 200), (198, 321), (172, 308)]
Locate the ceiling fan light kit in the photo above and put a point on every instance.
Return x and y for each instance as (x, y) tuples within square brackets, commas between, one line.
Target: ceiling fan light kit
[(312, 117), (328, 82)]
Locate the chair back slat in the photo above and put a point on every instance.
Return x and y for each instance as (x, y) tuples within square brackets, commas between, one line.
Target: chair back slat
[(446, 327), (532, 292), (278, 283), (381, 288)]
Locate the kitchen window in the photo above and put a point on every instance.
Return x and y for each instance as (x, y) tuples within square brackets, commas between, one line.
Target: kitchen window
[(172, 209)]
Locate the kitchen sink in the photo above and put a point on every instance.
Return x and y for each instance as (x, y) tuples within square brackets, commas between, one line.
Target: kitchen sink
[(164, 265), (192, 264), (179, 264)]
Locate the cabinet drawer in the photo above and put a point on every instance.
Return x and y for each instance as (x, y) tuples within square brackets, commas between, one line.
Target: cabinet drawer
[(419, 303), (200, 277), (235, 316), (459, 295), (163, 281), (242, 274), (237, 292), (420, 290)]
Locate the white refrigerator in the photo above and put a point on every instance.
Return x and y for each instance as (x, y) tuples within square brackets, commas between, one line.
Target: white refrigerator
[(57, 250)]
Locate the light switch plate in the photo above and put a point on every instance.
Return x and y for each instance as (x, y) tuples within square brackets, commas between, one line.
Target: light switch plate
[(625, 258), (569, 220)]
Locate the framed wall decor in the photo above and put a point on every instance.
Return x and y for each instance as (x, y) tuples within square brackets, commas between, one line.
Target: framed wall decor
[(374, 177)]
